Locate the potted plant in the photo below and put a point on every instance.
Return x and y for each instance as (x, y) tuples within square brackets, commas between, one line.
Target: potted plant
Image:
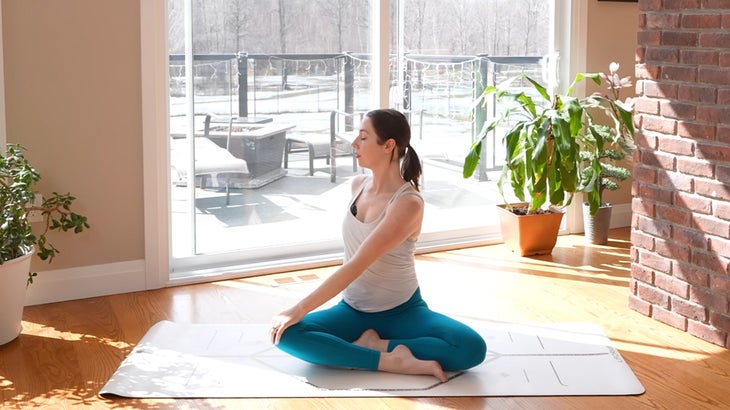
[(605, 145), (542, 158), (18, 242)]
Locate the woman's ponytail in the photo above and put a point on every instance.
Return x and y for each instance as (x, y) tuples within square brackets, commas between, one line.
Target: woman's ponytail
[(410, 168)]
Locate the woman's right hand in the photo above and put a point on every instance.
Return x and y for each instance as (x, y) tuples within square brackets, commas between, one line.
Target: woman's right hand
[(283, 320)]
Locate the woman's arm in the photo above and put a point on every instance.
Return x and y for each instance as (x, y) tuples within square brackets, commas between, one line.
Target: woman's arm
[(402, 221)]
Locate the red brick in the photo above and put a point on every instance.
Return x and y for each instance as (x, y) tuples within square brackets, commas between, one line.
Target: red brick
[(674, 109), (696, 131), (659, 124), (640, 305), (720, 284), (672, 285), (644, 174), (646, 71), (725, 57), (658, 159), (691, 166), (672, 319), (691, 274), (662, 20), (646, 105), (673, 214), (706, 332), (644, 140), (642, 274), (713, 75), (672, 250), (714, 40), (656, 262), (708, 299), (711, 225), (700, 21), (723, 133), (641, 240), (652, 295), (641, 207), (697, 93), (710, 261), (659, 89), (653, 193), (711, 189), (649, 38), (694, 203), (680, 4), (698, 57), (713, 151), (679, 146), (654, 227), (679, 73), (713, 114), (676, 180), (723, 174), (723, 95), (691, 237), (721, 209), (715, 5), (720, 321), (689, 310), (680, 38)]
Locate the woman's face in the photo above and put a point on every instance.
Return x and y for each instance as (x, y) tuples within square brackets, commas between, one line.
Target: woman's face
[(367, 149)]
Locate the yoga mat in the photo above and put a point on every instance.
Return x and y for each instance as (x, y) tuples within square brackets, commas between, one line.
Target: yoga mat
[(175, 360)]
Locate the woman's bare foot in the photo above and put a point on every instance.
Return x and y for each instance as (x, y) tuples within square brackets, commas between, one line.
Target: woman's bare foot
[(402, 361), (371, 339)]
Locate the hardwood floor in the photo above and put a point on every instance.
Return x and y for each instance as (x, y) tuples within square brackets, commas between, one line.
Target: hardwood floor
[(69, 350)]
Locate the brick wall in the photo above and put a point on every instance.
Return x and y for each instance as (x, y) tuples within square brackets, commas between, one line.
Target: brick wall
[(680, 272)]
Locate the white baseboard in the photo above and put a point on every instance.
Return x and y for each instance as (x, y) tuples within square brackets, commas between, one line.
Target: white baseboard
[(86, 281), (621, 215)]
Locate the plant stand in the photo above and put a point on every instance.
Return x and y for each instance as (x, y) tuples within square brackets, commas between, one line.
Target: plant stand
[(529, 235), (596, 226), (12, 296)]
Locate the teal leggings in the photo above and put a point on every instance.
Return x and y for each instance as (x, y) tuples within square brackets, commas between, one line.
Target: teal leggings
[(325, 337)]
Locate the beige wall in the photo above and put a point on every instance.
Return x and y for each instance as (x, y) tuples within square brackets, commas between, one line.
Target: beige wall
[(612, 28), (72, 79), (72, 97)]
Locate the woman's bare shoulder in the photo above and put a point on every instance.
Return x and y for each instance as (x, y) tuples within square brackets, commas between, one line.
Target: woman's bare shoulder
[(357, 182)]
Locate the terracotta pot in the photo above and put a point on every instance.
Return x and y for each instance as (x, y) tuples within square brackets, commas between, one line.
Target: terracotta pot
[(530, 234), (13, 280)]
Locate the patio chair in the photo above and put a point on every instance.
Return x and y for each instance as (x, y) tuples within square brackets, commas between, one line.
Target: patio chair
[(210, 160), (342, 133), (318, 146)]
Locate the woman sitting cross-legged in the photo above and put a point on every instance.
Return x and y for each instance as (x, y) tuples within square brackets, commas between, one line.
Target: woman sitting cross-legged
[(381, 323)]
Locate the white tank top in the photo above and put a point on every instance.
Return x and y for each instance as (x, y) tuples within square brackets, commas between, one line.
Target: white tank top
[(389, 281)]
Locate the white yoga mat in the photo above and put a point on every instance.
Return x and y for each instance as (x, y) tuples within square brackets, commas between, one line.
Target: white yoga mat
[(201, 360)]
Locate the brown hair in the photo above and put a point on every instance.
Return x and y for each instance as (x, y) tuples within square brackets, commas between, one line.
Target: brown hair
[(389, 123)]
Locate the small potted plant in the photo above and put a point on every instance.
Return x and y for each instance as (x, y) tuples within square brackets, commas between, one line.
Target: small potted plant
[(604, 146), (543, 140), (18, 241)]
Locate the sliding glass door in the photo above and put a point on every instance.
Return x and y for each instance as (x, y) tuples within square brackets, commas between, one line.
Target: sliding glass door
[(265, 95)]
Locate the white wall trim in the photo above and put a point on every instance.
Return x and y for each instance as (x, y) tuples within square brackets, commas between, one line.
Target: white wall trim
[(3, 130), (155, 128), (86, 281)]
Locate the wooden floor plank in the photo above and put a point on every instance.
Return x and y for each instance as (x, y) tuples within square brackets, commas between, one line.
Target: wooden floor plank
[(69, 350)]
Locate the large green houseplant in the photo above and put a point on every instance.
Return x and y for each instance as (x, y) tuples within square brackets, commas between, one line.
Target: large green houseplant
[(544, 135), (18, 241)]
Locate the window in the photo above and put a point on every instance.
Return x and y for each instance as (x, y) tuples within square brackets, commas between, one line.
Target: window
[(252, 65)]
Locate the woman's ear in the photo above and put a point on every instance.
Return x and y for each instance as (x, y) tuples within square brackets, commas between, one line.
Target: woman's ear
[(390, 144)]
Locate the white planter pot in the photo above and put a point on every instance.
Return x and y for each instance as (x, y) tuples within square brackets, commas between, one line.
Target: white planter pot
[(13, 280)]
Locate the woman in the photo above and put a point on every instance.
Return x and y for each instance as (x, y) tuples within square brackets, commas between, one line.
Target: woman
[(381, 323)]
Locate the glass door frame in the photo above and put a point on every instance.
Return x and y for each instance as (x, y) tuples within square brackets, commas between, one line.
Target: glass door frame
[(155, 96)]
